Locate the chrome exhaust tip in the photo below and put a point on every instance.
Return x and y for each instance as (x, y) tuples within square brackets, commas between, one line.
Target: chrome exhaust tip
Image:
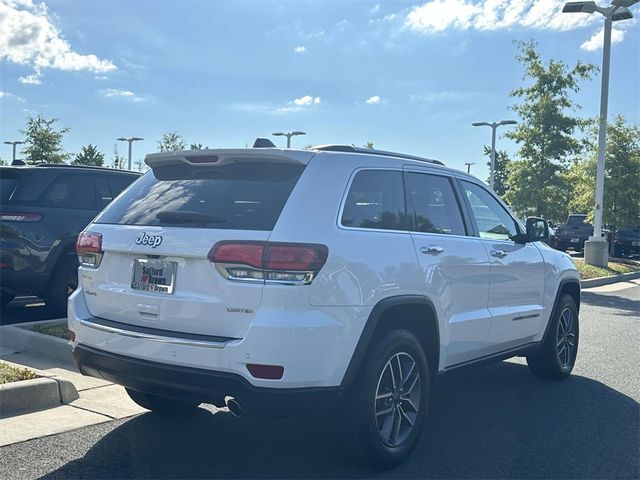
[(234, 407)]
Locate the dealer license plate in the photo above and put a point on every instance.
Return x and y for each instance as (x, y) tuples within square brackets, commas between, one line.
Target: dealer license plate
[(153, 275), (575, 240)]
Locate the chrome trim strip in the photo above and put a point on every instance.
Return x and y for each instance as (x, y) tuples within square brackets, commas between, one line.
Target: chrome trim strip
[(154, 338)]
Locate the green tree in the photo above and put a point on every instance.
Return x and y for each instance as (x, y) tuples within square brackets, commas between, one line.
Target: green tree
[(43, 141), (89, 155), (170, 142), (622, 175), (536, 184), (197, 146), (368, 145), (502, 170)]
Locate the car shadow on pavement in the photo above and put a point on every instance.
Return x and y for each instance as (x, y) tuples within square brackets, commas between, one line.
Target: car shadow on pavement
[(486, 422), (623, 306)]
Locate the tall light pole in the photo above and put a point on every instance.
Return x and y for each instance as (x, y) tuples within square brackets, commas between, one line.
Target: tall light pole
[(468, 164), (595, 249), (494, 126), (288, 135), (14, 143), (130, 140)]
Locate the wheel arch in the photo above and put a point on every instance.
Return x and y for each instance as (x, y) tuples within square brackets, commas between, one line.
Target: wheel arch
[(569, 286), (417, 314)]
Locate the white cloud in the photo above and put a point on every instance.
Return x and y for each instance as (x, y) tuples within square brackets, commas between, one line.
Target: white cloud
[(375, 100), (116, 93), (101, 77), (33, 79), (375, 9), (29, 37), (439, 15), (11, 96), (306, 100), (300, 49), (597, 39)]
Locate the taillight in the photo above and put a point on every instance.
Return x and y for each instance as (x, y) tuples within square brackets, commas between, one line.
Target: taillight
[(20, 217), (288, 263), (89, 249)]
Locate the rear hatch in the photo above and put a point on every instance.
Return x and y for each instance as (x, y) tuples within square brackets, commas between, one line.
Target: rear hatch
[(156, 239)]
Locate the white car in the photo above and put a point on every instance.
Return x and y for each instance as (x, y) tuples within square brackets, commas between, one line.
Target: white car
[(330, 280)]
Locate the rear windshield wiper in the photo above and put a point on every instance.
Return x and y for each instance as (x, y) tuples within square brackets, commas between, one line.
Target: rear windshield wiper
[(185, 216)]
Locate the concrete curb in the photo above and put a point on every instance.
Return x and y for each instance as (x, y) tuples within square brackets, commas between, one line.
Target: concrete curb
[(21, 340), (598, 282), (36, 394)]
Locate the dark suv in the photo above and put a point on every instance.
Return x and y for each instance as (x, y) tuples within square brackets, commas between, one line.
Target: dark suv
[(573, 234), (42, 210), (627, 241)]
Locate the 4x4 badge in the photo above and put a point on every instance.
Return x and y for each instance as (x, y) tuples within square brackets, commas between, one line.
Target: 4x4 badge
[(153, 240)]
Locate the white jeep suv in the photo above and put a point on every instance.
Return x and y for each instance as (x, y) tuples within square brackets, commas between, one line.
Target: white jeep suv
[(304, 282)]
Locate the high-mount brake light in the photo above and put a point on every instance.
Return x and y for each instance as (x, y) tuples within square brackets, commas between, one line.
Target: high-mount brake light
[(270, 262), (89, 249), (20, 217)]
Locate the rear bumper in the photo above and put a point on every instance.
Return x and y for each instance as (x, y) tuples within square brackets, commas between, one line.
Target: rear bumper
[(203, 385)]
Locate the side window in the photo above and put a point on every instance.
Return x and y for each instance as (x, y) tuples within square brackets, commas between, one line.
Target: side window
[(492, 219), (104, 195), (375, 200), (70, 191), (119, 183), (434, 203)]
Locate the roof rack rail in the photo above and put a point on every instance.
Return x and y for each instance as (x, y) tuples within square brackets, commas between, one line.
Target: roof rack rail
[(66, 165), (371, 151)]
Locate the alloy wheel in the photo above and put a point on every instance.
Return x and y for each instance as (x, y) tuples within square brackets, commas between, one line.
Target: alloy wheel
[(566, 339), (397, 400)]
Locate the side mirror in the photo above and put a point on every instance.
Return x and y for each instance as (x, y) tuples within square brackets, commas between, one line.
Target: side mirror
[(537, 230)]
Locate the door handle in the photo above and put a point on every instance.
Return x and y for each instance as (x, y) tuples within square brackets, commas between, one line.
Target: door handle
[(498, 253), (432, 250)]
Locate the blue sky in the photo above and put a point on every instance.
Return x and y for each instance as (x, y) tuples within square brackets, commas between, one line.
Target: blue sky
[(409, 76)]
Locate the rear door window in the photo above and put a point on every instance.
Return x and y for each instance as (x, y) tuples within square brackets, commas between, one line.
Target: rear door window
[(74, 191), (434, 204), (119, 182), (375, 200), (103, 192), (246, 195)]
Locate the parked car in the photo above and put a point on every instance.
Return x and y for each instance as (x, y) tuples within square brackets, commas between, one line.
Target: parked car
[(42, 210), (573, 234), (333, 280), (627, 241)]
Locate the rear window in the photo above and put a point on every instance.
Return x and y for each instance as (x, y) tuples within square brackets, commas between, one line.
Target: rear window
[(576, 220), (243, 196), (9, 180)]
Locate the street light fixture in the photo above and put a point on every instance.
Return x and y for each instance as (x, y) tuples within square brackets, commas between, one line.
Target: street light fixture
[(288, 135), (468, 164), (595, 249), (494, 126), (130, 140), (14, 143)]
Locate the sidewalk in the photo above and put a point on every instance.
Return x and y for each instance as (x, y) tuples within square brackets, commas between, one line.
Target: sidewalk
[(100, 401)]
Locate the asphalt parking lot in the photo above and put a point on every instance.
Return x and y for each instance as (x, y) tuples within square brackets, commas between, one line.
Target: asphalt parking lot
[(494, 421)]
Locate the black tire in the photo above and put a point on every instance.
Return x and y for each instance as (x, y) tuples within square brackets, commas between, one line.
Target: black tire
[(557, 355), (617, 251), (159, 404), (363, 431), (62, 283)]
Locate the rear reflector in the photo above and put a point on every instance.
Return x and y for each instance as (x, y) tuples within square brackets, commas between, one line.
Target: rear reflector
[(270, 372), (20, 217), (293, 263)]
